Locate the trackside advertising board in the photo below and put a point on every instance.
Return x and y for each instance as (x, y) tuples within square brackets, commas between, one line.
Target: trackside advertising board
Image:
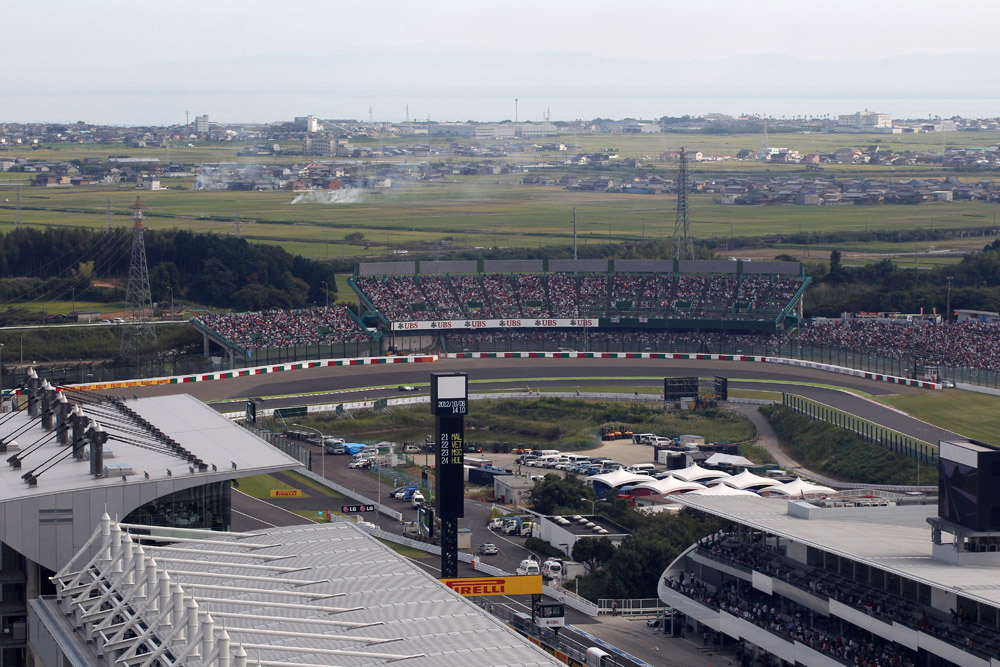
[(514, 323), (470, 587)]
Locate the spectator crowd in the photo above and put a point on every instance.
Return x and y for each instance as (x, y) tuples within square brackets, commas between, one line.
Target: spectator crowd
[(748, 554), (958, 344), (286, 328), (569, 295), (823, 635)]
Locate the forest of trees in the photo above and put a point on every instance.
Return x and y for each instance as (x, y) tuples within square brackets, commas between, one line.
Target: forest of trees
[(886, 287), (48, 265)]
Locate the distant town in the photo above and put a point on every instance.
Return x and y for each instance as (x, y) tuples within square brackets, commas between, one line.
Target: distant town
[(544, 154)]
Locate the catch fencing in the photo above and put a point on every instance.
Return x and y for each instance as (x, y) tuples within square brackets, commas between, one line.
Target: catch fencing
[(894, 441)]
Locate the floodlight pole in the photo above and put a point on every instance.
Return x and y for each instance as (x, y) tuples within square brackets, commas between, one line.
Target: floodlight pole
[(327, 292)]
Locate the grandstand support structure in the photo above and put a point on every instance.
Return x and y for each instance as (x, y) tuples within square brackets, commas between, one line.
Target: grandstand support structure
[(138, 332), (683, 246)]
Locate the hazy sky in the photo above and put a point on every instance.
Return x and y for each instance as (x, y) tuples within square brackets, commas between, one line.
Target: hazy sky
[(246, 60)]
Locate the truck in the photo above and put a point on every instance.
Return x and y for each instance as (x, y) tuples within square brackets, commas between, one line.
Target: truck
[(517, 526)]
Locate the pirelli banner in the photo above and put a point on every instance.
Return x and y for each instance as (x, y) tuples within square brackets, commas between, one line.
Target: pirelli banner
[(516, 323), (470, 587)]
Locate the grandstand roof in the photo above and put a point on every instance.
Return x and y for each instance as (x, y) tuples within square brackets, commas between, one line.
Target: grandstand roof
[(319, 595), (189, 423), (896, 538)]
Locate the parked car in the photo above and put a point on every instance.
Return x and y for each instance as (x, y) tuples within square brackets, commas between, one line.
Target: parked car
[(495, 524), (488, 549), (411, 449), (360, 464), (658, 620), (406, 493)]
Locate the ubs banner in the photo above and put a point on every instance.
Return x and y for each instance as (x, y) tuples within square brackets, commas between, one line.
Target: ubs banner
[(516, 323), (449, 403)]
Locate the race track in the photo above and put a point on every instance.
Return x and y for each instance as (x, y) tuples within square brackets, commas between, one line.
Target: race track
[(338, 384)]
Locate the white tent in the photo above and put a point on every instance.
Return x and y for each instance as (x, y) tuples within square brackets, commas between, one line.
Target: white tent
[(727, 460), (669, 485), (720, 490), (799, 488), (696, 473), (747, 480), (617, 478)]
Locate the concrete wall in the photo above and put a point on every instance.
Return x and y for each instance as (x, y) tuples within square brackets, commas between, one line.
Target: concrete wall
[(387, 268)]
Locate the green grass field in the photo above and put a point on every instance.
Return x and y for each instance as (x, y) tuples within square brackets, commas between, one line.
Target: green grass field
[(972, 414), (260, 486)]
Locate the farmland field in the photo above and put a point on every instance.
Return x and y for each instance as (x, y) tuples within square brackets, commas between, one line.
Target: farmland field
[(485, 211)]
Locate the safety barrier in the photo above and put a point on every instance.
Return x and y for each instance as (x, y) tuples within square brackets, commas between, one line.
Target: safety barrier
[(894, 441), (691, 356), (631, 606), (395, 515), (257, 370)]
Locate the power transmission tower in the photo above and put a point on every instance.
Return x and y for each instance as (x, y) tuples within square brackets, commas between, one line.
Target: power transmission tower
[(17, 206), (237, 226), (683, 247), (107, 211), (138, 332)]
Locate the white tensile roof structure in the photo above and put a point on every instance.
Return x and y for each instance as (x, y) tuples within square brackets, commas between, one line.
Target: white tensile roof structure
[(747, 479), (728, 460), (669, 485), (696, 473), (324, 594), (720, 489), (617, 478), (797, 487)]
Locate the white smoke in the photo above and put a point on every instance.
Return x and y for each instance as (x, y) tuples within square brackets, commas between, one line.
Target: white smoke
[(342, 196)]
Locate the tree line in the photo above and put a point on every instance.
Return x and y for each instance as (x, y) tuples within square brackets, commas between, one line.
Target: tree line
[(884, 286), (223, 271)]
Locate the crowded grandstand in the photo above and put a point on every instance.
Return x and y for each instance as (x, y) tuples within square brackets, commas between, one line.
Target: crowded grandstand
[(286, 328), (406, 296), (613, 305)]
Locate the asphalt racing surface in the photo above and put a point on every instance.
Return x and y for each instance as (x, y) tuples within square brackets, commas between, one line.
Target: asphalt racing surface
[(338, 384)]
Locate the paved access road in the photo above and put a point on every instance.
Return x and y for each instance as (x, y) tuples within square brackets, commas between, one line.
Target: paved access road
[(352, 383)]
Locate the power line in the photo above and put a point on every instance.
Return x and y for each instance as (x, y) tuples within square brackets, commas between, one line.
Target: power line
[(138, 334), (683, 246)]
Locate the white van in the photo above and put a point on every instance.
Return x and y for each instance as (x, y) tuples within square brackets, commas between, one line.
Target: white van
[(648, 468), (528, 567), (643, 438), (417, 500), (552, 568), (549, 452), (546, 461), (576, 458)]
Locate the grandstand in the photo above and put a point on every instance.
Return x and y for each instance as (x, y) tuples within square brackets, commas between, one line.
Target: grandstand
[(283, 335), (575, 294)]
